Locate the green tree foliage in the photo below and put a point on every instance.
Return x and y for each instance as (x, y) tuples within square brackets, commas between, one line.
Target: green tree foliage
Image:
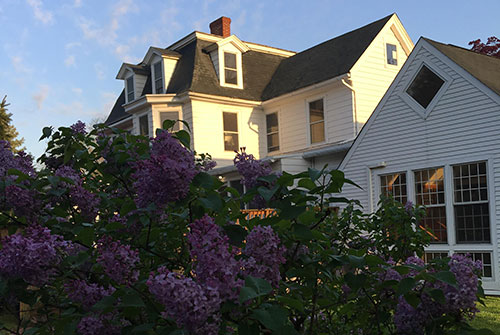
[(7, 131)]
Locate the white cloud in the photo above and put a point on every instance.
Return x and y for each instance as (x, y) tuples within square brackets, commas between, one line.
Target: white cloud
[(69, 61), (20, 65), (41, 95), (100, 71), (77, 90), (77, 3), (71, 45), (42, 15)]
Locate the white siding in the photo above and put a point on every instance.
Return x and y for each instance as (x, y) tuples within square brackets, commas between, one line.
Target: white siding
[(293, 117), (139, 82), (208, 129), (462, 127)]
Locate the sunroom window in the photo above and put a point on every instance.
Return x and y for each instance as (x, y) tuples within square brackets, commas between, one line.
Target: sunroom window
[(424, 86)]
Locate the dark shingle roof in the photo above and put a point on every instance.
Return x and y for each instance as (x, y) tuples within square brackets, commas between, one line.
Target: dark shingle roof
[(484, 68), (117, 112), (323, 61), (166, 52), (138, 69)]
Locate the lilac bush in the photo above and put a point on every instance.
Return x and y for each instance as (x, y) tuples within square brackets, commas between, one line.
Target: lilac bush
[(126, 234)]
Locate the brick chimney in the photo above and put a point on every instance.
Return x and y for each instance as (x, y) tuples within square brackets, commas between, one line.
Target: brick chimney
[(221, 27)]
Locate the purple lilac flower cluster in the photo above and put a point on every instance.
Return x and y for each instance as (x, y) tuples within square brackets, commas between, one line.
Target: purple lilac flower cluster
[(79, 127), (460, 302), (265, 254), (86, 201), (166, 175), (86, 294), (215, 266), (191, 305), (250, 168), (118, 260), (20, 161), (103, 324), (32, 256)]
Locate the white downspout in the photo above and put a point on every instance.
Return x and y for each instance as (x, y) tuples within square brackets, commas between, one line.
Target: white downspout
[(353, 104)]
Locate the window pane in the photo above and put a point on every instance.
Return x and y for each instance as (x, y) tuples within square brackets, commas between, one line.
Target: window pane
[(231, 142), (472, 223), (470, 182), (272, 122), (231, 77), (230, 121), (273, 142), (391, 54), (316, 111), (229, 60), (429, 186), (144, 125), (317, 132), (425, 86), (174, 116), (158, 77), (394, 185), (130, 89), (435, 223)]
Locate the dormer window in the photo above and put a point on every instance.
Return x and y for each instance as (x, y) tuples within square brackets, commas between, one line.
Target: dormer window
[(158, 77), (130, 89), (230, 68)]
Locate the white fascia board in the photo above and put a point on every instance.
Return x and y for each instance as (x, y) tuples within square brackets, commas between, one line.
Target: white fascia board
[(123, 71)]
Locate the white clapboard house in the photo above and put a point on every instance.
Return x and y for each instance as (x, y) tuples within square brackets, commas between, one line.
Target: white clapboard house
[(298, 110), (434, 140)]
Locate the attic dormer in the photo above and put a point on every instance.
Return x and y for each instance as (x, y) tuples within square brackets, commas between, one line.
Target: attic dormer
[(134, 77), (226, 54), (162, 63)]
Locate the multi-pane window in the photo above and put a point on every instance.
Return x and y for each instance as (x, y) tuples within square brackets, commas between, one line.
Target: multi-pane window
[(230, 121), (144, 125), (392, 57), (158, 74), (485, 258), (174, 116), (394, 185), (273, 141), (230, 69), (130, 89), (429, 192), (424, 86), (472, 218), (317, 121), (430, 256)]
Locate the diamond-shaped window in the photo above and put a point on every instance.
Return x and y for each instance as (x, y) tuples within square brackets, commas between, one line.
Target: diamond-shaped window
[(425, 86)]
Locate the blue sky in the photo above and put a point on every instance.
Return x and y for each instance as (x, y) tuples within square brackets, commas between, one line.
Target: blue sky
[(59, 58)]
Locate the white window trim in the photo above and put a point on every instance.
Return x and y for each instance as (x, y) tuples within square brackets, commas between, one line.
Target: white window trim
[(451, 246), (424, 112), (126, 87), (308, 117), (278, 114), (238, 121), (239, 68), (162, 77)]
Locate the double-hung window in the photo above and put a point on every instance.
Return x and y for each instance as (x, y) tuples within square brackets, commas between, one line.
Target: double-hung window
[(158, 76), (317, 121), (144, 125), (272, 129), (472, 218), (429, 192), (230, 69), (230, 121), (394, 185), (130, 89)]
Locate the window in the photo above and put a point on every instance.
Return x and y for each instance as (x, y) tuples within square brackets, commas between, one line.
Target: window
[(273, 141), (472, 219), (158, 76), (432, 255), (144, 125), (394, 185), (317, 121), (429, 192), (424, 86), (485, 258), (174, 116), (130, 89), (230, 69), (392, 56), (230, 131)]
